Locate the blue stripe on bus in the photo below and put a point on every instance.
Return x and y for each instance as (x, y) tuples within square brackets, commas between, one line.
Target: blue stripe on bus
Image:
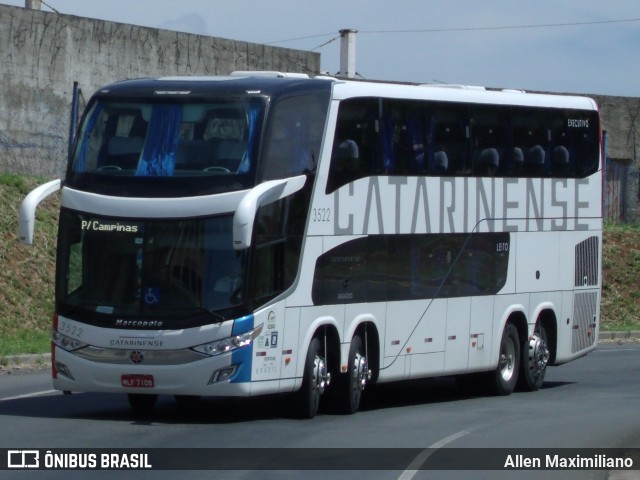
[(243, 356)]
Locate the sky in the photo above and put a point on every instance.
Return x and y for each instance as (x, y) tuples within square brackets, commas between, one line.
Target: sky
[(568, 46)]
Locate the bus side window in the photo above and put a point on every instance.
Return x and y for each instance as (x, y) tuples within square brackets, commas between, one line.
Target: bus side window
[(531, 137), (279, 231), (574, 145), (449, 141), (355, 143), (490, 141), (294, 136), (403, 137)]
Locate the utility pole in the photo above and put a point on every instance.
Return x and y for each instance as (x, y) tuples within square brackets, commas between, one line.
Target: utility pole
[(348, 52), (33, 4)]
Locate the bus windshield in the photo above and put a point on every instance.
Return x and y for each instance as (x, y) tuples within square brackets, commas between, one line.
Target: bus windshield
[(165, 139), (136, 141), (138, 147), (183, 271)]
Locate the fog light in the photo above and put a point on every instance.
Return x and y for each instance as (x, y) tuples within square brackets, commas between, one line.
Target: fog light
[(62, 369), (223, 374)]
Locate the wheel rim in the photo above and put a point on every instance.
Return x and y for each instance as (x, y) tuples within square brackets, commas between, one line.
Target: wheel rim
[(360, 372), (538, 355), (508, 359), (319, 378)]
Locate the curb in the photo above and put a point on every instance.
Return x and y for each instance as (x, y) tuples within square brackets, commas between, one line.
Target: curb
[(634, 334), (44, 359), (26, 360)]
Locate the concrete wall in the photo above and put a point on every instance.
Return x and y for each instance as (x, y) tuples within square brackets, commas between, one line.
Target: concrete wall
[(620, 118), (43, 53)]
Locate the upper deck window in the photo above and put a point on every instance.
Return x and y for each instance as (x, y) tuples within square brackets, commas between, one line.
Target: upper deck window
[(151, 139), (381, 136), (142, 146), (294, 135)]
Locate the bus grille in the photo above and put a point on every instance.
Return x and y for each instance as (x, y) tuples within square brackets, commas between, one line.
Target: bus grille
[(584, 320), (587, 263)]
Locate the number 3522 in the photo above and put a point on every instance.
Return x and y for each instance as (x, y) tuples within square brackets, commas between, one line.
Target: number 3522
[(321, 215)]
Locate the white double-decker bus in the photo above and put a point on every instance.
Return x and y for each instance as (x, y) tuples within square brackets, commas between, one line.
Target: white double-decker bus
[(273, 234)]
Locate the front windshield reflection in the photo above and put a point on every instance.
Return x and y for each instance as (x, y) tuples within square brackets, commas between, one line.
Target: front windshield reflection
[(148, 269), (160, 140)]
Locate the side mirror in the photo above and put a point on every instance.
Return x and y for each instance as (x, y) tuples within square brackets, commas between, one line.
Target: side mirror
[(262, 194), (27, 216)]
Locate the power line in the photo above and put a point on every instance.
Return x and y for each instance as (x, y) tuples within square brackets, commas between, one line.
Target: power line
[(45, 3), (502, 27), (301, 38), (325, 43), (461, 29)]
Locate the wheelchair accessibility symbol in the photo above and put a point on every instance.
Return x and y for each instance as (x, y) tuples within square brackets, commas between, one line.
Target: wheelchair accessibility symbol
[(151, 295)]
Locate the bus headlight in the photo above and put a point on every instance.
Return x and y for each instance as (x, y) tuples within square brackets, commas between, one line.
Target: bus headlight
[(67, 343), (230, 343)]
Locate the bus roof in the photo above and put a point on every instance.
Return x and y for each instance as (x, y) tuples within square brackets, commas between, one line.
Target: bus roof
[(460, 93), (276, 83), (199, 87)]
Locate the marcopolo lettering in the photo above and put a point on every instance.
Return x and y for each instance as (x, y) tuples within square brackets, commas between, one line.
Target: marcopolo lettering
[(138, 323)]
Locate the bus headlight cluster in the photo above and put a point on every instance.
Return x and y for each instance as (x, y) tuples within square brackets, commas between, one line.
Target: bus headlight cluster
[(67, 343), (230, 343)]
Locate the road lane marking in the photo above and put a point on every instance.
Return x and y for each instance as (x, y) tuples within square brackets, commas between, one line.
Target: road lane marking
[(414, 466), (29, 395)]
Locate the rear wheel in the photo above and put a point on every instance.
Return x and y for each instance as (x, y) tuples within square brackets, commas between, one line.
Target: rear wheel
[(535, 357), (351, 385), (314, 381), (504, 378)]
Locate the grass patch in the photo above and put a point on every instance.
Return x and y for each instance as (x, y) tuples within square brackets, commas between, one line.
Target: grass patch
[(620, 308), (26, 272), (23, 342)]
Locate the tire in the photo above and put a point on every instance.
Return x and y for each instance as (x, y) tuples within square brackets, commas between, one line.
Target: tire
[(142, 403), (535, 357), (313, 382), (503, 379), (351, 385)]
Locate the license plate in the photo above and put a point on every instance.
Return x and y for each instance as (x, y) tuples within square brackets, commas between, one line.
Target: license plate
[(137, 381)]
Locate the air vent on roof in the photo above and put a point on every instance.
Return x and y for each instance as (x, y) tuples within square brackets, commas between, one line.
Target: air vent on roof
[(459, 87), (245, 73)]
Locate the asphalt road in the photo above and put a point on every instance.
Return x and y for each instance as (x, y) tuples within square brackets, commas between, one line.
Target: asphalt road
[(593, 402)]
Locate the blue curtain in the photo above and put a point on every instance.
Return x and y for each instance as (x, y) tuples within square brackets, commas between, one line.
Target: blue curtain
[(159, 154), (415, 132), (388, 154), (252, 118), (79, 165)]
